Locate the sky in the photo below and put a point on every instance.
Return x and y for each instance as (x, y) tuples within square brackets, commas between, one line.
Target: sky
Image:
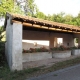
[(57, 6)]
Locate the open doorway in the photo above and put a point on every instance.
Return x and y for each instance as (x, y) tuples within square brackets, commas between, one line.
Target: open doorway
[(58, 42), (76, 42), (27, 44)]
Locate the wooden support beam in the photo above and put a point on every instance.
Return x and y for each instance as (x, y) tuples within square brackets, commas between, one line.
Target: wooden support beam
[(16, 21), (27, 24), (58, 28)]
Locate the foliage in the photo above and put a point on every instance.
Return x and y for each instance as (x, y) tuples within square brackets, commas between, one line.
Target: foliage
[(40, 15), (2, 34), (2, 53), (60, 17), (8, 6), (43, 49), (32, 50), (2, 47), (74, 47), (29, 7), (17, 6), (32, 7), (61, 48), (1, 31), (6, 74)]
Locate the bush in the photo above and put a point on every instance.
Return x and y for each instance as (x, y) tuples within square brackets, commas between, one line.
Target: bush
[(2, 52), (61, 48), (32, 50), (2, 47)]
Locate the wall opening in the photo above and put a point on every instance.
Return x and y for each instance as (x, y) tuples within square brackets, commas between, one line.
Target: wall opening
[(59, 42), (76, 42), (27, 44)]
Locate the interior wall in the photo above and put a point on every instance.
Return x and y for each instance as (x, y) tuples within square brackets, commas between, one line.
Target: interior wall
[(68, 39), (34, 35)]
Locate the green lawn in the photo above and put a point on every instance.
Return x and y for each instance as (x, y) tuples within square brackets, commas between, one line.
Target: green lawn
[(6, 74)]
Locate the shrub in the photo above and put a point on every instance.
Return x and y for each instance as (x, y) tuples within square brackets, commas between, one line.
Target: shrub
[(2, 47), (31, 50), (61, 48), (2, 52), (74, 47)]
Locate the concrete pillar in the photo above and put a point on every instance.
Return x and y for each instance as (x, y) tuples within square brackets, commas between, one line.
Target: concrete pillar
[(8, 44), (13, 46), (17, 46)]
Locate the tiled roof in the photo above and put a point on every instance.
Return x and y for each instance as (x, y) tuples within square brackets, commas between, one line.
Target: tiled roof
[(27, 21)]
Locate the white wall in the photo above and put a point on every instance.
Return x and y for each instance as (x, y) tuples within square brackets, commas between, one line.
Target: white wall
[(17, 47), (13, 45), (8, 44)]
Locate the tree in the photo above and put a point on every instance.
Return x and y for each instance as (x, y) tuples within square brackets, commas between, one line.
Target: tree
[(77, 19), (40, 15), (2, 47), (8, 6), (1, 35), (28, 6), (68, 19), (58, 17), (49, 17)]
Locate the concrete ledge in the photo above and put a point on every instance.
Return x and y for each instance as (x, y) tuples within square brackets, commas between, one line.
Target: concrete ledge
[(75, 52), (61, 54), (36, 56)]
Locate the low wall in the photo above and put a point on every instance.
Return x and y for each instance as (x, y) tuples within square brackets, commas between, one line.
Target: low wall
[(61, 54), (36, 56), (75, 52)]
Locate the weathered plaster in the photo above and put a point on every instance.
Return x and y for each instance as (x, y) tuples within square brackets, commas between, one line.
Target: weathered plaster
[(17, 46), (13, 45), (36, 56), (8, 43)]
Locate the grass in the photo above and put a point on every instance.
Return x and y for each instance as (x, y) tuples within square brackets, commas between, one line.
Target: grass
[(6, 74)]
